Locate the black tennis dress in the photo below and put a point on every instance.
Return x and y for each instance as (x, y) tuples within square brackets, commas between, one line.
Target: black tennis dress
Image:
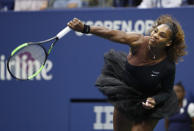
[(127, 86)]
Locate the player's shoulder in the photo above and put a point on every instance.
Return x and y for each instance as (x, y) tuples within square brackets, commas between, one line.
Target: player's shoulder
[(146, 37), (141, 40)]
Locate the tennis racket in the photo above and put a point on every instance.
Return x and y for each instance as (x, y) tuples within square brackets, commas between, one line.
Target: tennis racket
[(28, 59)]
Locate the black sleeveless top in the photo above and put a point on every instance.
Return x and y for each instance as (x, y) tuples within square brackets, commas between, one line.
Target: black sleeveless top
[(127, 86), (152, 79)]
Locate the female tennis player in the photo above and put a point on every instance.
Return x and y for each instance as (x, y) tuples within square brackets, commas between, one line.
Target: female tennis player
[(140, 84)]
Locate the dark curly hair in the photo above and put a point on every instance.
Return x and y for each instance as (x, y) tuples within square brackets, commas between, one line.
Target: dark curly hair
[(177, 49)]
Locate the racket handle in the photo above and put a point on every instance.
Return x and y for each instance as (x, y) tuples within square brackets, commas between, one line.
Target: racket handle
[(63, 32)]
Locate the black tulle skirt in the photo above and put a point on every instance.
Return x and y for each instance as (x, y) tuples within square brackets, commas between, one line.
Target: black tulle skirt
[(128, 99)]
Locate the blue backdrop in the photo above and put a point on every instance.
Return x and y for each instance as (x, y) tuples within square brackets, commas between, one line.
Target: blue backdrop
[(51, 102)]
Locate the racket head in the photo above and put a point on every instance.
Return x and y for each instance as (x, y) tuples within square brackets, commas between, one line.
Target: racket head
[(27, 61)]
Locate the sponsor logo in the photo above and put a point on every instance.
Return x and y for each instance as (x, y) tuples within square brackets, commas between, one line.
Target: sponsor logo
[(104, 117), (139, 26), (23, 66), (155, 73)]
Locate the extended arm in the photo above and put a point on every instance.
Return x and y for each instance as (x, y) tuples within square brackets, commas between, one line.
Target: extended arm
[(131, 39)]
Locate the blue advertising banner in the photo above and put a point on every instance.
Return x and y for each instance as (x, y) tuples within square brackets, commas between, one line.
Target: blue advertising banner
[(92, 116), (44, 103)]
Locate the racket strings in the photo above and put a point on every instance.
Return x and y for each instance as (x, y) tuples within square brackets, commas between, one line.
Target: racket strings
[(27, 61)]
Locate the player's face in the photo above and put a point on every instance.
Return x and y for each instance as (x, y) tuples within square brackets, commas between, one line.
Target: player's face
[(160, 36), (180, 93)]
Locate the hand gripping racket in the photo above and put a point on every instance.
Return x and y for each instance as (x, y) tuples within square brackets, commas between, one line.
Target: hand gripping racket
[(28, 59)]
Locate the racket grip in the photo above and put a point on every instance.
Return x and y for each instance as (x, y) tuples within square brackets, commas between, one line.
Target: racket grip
[(63, 32)]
